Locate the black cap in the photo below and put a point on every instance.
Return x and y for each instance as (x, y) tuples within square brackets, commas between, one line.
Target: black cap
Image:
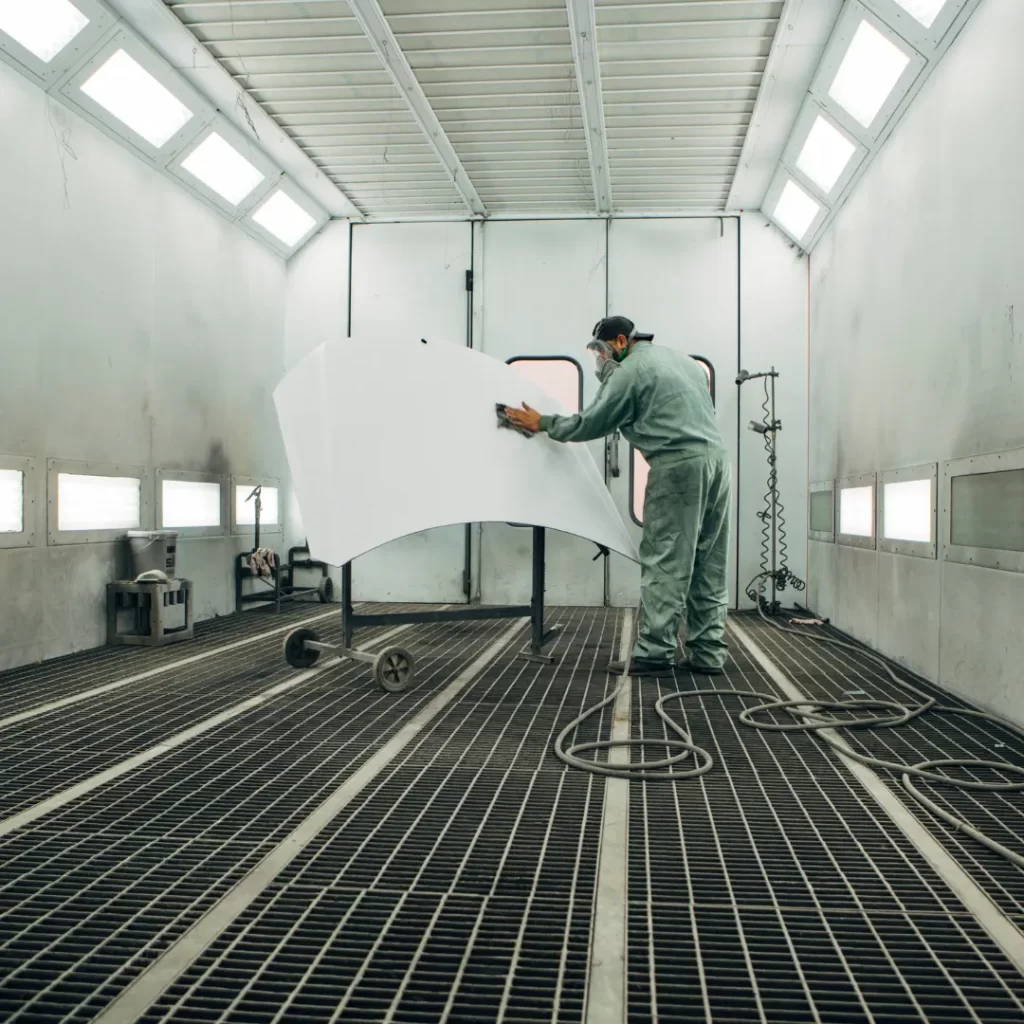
[(611, 327)]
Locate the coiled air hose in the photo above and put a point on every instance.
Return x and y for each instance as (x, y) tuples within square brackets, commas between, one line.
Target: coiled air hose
[(807, 718)]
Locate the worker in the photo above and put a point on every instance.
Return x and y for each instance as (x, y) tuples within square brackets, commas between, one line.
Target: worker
[(659, 399)]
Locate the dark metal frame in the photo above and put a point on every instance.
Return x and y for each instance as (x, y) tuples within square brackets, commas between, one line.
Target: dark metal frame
[(283, 587), (555, 359), (632, 450), (539, 637)]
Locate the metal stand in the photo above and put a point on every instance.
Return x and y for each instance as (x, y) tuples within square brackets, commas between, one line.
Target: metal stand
[(149, 614), (393, 667), (244, 572), (281, 586), (774, 570)]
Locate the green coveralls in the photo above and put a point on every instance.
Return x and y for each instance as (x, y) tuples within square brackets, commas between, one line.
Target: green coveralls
[(659, 399)]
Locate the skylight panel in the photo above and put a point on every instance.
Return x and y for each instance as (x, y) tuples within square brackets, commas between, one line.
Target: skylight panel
[(128, 91)]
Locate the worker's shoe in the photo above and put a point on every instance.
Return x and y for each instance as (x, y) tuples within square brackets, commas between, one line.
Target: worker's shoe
[(641, 667), (685, 665)]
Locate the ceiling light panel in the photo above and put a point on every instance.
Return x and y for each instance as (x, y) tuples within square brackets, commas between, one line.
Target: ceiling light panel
[(221, 168), (284, 219), (922, 23), (868, 74), (879, 55), (795, 210), (126, 90), (923, 11), (825, 155), (45, 39), (43, 27)]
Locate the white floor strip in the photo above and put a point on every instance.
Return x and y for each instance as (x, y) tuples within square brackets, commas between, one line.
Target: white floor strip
[(1000, 928), (96, 691), (100, 779), (606, 989), (149, 986)]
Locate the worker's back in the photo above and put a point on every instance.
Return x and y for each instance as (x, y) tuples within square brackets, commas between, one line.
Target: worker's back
[(673, 412)]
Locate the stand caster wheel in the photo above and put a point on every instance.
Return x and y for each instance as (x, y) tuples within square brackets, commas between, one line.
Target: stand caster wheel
[(325, 590), (295, 651), (393, 669)]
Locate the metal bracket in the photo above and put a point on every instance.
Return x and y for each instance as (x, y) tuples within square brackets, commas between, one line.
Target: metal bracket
[(612, 451)]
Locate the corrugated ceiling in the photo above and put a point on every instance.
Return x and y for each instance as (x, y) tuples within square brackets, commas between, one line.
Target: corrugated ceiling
[(679, 80)]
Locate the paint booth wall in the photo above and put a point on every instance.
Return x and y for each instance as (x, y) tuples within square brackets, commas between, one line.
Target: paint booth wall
[(138, 328), (918, 357), (538, 288)]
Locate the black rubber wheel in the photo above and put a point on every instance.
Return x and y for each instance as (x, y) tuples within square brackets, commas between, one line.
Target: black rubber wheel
[(295, 651), (394, 669), (325, 590)]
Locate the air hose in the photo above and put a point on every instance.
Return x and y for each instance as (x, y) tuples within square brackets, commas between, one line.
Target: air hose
[(808, 718)]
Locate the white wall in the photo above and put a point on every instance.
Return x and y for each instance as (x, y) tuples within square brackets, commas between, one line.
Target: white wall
[(918, 354), (539, 288), (317, 293), (137, 327)]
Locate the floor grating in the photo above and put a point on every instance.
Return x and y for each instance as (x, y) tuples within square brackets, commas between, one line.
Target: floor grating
[(822, 670), (73, 673), (459, 885)]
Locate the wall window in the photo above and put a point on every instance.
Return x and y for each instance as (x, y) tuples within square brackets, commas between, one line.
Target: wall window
[(17, 501), (638, 468), (821, 511), (856, 511), (557, 376), (245, 511), (856, 524), (91, 503), (983, 510), (188, 504), (907, 509), (12, 501), (88, 503), (987, 510)]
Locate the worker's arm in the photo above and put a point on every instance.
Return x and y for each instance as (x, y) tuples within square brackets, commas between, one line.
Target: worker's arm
[(610, 411)]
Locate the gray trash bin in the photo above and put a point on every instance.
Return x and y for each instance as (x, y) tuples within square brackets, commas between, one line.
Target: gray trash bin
[(153, 549)]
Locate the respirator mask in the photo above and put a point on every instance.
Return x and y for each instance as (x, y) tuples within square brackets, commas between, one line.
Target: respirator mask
[(605, 359)]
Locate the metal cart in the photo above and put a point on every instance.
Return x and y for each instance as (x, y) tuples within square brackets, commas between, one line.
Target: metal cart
[(281, 586), (394, 667)]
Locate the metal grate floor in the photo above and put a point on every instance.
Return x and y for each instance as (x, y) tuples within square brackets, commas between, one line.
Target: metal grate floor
[(775, 889), (822, 670), (459, 884), (24, 687)]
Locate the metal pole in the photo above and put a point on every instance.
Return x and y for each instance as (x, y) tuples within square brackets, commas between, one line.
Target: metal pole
[(346, 606), (258, 509), (775, 492), (467, 568), (537, 601)]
